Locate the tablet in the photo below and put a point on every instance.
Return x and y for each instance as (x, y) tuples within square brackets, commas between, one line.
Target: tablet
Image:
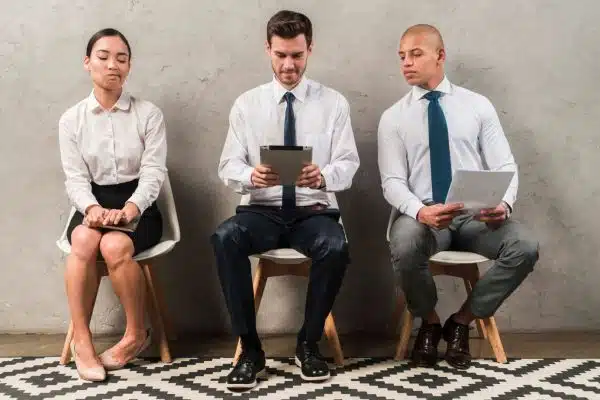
[(287, 161), (479, 189), (129, 227)]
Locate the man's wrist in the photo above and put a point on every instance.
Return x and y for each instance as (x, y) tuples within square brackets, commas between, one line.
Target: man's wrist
[(507, 209), (323, 184)]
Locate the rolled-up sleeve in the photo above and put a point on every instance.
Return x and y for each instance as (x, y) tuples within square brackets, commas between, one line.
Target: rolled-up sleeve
[(77, 174)]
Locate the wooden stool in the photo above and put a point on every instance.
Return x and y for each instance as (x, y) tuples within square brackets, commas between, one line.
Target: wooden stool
[(282, 262), (460, 265)]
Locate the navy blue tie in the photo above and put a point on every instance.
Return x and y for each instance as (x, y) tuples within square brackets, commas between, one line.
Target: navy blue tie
[(439, 148), (288, 200)]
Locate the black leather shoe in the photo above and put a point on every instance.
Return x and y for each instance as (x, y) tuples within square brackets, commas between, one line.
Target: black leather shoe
[(425, 349), (457, 351), (313, 367), (248, 368)]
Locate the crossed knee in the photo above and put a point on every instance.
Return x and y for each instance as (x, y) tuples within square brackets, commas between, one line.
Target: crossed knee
[(525, 253)]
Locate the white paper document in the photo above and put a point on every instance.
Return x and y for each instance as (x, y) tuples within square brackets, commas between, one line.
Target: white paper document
[(478, 189)]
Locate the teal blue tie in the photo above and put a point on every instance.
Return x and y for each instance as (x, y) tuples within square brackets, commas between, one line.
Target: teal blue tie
[(288, 199), (439, 148)]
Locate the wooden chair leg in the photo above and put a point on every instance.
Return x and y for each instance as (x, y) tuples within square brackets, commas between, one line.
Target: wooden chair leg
[(258, 286), (397, 315), (334, 341), (469, 283), (167, 321), (402, 347), (156, 316), (494, 339), (65, 356)]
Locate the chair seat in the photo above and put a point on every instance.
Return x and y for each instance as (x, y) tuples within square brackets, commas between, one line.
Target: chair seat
[(283, 256), (457, 257)]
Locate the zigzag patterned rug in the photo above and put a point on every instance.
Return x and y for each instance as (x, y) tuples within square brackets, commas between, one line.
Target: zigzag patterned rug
[(28, 378)]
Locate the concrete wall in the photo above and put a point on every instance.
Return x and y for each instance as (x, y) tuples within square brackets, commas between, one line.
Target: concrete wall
[(538, 61)]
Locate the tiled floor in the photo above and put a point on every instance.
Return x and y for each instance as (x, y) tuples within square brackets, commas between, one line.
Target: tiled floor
[(550, 366), (517, 345)]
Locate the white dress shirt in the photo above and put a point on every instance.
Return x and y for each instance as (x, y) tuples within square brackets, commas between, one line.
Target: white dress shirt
[(113, 146), (322, 121), (476, 138)]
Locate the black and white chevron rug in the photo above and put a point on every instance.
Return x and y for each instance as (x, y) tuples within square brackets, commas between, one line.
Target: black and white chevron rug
[(362, 378)]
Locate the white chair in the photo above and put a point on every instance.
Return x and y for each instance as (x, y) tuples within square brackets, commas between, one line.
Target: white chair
[(162, 327), (281, 262), (460, 264)]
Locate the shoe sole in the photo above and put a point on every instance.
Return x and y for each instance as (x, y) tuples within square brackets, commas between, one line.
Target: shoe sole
[(260, 374), (311, 378), (423, 364), (453, 364), (457, 366)]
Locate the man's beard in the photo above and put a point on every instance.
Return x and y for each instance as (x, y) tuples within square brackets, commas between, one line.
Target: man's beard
[(299, 74)]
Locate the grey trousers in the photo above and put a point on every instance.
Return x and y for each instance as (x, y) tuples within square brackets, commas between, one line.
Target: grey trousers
[(412, 244)]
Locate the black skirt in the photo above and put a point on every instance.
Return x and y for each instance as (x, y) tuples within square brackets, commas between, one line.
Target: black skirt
[(149, 229)]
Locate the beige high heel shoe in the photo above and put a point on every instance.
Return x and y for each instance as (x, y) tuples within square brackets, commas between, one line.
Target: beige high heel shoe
[(93, 374), (111, 363)]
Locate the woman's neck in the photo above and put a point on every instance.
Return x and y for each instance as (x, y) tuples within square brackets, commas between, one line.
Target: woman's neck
[(107, 98)]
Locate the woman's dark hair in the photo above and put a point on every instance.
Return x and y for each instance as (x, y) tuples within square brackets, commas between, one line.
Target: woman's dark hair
[(288, 25), (104, 33)]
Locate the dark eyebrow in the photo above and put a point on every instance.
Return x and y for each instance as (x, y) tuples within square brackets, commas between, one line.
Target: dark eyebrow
[(280, 53), (410, 50)]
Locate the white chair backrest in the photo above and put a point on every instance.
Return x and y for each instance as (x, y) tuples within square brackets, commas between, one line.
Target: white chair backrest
[(166, 204), (393, 215)]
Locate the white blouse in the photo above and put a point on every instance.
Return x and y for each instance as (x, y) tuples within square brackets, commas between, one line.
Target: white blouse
[(113, 146)]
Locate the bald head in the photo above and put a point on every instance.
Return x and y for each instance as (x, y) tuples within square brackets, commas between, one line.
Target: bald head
[(423, 55), (428, 32)]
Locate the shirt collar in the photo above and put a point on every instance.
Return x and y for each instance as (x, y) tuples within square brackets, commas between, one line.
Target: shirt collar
[(444, 86), (299, 91), (123, 104)]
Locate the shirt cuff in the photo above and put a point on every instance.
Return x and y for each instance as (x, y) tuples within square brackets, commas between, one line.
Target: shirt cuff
[(139, 200), (509, 202), (413, 208), (247, 175), (85, 203), (327, 177)]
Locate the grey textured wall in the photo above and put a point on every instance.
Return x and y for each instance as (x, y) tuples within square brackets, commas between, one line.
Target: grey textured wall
[(538, 62)]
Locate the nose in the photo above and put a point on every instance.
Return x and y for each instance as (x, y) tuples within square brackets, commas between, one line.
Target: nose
[(408, 61), (288, 63), (112, 64)]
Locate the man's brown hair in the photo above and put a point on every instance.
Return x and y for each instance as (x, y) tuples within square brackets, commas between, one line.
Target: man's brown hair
[(289, 24)]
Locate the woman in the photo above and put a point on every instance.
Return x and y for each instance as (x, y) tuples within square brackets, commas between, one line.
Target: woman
[(113, 151)]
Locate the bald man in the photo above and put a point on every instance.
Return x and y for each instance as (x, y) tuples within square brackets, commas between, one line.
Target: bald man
[(435, 129)]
